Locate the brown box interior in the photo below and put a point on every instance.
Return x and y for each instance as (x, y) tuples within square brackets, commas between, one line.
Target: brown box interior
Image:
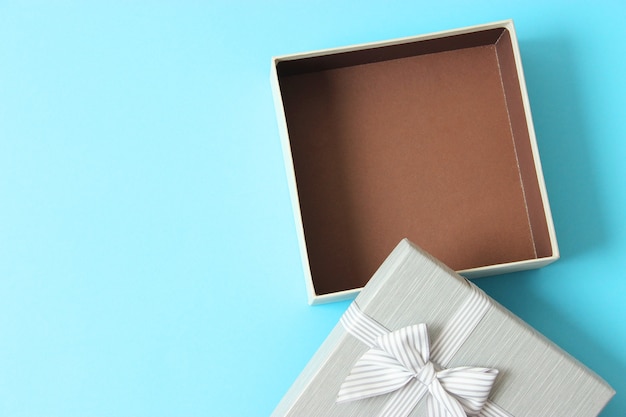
[(426, 140)]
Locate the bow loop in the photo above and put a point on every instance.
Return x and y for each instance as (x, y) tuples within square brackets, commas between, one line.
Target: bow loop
[(375, 373)]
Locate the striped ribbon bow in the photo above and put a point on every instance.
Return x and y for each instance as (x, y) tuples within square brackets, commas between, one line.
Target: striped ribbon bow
[(399, 363)]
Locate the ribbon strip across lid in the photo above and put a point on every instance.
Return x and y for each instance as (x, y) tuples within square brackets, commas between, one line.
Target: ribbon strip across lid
[(402, 365)]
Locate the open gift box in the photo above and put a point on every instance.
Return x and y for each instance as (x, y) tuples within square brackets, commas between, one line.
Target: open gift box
[(404, 346), (427, 137)]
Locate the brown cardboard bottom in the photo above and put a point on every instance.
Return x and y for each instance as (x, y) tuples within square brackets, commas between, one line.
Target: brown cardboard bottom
[(426, 140)]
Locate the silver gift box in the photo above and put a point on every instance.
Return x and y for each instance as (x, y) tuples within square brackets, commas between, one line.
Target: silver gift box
[(535, 377)]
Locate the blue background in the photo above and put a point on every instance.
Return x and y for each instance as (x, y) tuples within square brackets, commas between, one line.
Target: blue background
[(148, 256)]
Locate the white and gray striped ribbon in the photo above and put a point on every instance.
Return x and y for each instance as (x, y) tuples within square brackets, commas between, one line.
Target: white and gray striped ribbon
[(401, 364)]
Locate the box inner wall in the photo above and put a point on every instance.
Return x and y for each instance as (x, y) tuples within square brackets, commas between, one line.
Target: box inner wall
[(420, 147)]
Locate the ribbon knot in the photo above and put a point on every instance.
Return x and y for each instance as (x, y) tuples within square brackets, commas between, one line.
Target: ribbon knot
[(398, 362), (427, 374)]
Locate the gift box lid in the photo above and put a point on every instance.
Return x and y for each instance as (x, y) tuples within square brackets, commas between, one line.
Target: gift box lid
[(428, 137), (535, 377)]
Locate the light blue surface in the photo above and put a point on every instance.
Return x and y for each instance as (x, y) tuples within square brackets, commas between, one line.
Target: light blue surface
[(148, 255)]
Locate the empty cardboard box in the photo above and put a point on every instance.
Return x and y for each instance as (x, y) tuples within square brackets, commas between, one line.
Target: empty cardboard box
[(428, 137)]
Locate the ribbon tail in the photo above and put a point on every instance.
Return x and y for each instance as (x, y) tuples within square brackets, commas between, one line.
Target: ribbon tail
[(442, 404), (469, 385), (403, 401), (352, 389)]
